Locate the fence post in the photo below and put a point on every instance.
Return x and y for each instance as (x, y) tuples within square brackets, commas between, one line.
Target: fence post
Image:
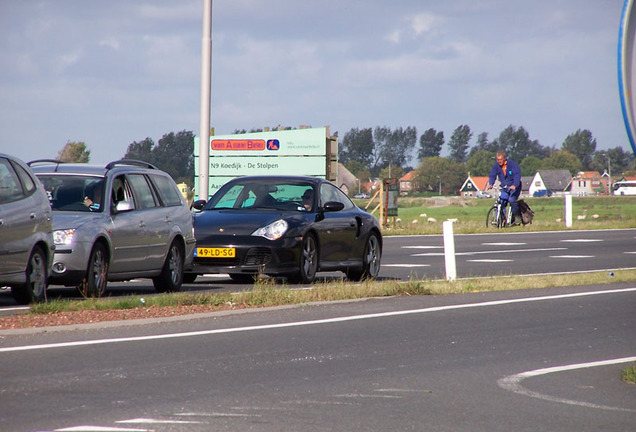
[(449, 251), (568, 211)]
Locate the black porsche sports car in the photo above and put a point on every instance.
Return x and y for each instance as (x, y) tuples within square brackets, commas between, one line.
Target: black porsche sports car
[(284, 226)]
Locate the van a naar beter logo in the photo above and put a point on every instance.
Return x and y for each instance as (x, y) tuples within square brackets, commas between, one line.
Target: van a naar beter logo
[(237, 144)]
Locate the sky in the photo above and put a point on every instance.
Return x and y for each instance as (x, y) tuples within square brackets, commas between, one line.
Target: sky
[(109, 73)]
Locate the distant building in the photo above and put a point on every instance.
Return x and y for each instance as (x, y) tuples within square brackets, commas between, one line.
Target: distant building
[(472, 185), (407, 182), (550, 182), (588, 183)]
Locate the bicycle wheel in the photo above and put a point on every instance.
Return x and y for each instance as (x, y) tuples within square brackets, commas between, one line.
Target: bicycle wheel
[(501, 220), (491, 217)]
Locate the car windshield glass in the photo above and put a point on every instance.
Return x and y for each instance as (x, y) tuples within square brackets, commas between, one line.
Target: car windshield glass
[(74, 193), (279, 195)]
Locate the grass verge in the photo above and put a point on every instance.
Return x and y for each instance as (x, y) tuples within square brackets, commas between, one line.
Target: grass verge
[(629, 375), (267, 293)]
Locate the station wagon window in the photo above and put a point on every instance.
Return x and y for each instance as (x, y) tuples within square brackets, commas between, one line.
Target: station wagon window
[(10, 189), (169, 194), (144, 195), (27, 181)]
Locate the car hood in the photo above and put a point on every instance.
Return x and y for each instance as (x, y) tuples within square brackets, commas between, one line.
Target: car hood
[(237, 222), (66, 220)]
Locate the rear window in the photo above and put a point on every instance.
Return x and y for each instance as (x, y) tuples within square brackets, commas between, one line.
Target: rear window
[(170, 195)]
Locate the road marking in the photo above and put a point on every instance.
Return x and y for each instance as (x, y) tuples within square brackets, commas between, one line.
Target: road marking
[(155, 421), (513, 382), (405, 265), (312, 322), (572, 256), (503, 244), (490, 260), (582, 240), (422, 247), (100, 429), (492, 252)]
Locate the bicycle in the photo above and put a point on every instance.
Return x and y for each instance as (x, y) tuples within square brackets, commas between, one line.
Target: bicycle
[(500, 214)]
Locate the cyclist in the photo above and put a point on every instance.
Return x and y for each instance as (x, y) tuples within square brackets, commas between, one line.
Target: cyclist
[(509, 175)]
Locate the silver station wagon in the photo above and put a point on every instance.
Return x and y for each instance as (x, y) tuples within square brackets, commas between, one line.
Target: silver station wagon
[(26, 241), (116, 222)]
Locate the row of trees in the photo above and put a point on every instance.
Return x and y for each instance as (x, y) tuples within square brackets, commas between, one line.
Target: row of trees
[(388, 153), (382, 152), (172, 154)]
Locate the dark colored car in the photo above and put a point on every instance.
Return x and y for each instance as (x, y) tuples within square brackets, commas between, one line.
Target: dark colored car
[(26, 239), (284, 226)]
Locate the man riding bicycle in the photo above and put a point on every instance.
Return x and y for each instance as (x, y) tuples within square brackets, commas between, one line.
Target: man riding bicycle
[(509, 175)]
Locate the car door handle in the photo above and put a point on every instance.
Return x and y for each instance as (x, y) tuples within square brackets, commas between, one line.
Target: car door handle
[(168, 220), (142, 224), (352, 223), (33, 216), (1, 222)]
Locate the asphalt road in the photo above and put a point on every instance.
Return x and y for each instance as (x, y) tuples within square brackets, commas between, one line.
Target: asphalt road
[(422, 257), (533, 360)]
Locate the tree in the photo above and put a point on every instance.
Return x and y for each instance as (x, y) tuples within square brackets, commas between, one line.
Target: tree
[(74, 151), (392, 171), (582, 145), (141, 150), (393, 147), (434, 171), (458, 143), (530, 165), (517, 144), (562, 159), (357, 145), (173, 154), (615, 161), (480, 163), (483, 144), (431, 143)]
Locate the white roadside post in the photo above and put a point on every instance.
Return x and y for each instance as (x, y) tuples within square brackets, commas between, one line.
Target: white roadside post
[(568, 211), (449, 251)]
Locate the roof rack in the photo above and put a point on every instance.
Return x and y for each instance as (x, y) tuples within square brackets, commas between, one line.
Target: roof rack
[(57, 162), (143, 164)]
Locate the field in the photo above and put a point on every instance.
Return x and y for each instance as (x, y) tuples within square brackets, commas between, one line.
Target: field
[(425, 215)]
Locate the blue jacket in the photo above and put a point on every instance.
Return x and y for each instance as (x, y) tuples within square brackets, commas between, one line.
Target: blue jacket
[(512, 176)]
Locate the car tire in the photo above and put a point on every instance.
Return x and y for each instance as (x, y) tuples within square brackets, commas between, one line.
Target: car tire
[(171, 277), (96, 280), (371, 258), (308, 265), (34, 289)]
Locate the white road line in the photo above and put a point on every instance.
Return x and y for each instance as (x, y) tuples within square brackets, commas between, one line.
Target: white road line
[(313, 322), (582, 240), (422, 247), (513, 382), (490, 260), (492, 252), (503, 244), (572, 256), (405, 265), (100, 429), (155, 421)]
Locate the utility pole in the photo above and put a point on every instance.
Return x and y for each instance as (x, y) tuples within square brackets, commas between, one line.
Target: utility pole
[(204, 125)]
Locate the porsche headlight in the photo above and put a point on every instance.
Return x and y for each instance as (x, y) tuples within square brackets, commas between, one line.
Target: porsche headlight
[(273, 231), (63, 237)]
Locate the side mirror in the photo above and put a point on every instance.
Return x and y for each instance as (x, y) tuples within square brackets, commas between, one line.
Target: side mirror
[(124, 206), (199, 204), (333, 206)]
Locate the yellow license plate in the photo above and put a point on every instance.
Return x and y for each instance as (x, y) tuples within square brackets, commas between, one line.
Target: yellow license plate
[(216, 252)]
